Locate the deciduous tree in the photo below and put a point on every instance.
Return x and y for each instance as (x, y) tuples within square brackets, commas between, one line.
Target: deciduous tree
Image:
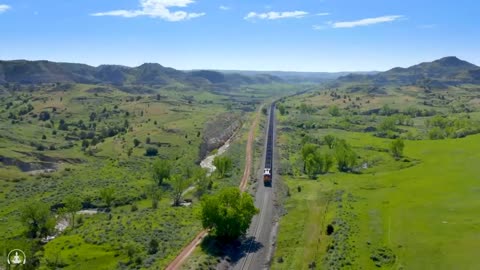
[(228, 213), (160, 171), (396, 147), (73, 204), (107, 195)]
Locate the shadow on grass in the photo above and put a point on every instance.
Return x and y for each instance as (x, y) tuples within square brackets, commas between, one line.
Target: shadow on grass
[(232, 251)]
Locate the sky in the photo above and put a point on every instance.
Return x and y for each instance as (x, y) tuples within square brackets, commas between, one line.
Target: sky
[(301, 35)]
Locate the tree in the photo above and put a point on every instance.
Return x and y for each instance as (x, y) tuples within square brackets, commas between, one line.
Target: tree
[(228, 213), (334, 111), (160, 171), (107, 195), (179, 184), (93, 116), (311, 166), (330, 141), (62, 125), (346, 157), (44, 116), (155, 194), (386, 110), (202, 181), (397, 148), (38, 219), (264, 110), (136, 142), (131, 249), (387, 124), (223, 165), (307, 149), (152, 247), (148, 140), (281, 109), (151, 152), (318, 163), (73, 204)]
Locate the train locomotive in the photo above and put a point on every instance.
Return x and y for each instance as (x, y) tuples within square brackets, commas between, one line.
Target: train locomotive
[(268, 171)]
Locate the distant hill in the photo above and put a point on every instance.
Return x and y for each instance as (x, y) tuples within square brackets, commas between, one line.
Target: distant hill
[(295, 77), (442, 72), (33, 72)]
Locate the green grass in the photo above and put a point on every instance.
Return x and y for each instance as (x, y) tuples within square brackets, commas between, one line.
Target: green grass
[(179, 115), (425, 214)]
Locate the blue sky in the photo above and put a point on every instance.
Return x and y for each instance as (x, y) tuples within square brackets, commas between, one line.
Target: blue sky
[(303, 35)]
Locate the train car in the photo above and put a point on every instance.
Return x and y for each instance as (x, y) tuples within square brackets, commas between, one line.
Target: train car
[(267, 177)]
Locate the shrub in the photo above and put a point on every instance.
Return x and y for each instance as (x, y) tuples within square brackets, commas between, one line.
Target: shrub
[(223, 164), (397, 148), (151, 152), (44, 116), (153, 247), (136, 142), (334, 111)]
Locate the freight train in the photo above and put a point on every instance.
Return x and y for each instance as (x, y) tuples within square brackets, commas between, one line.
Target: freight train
[(268, 171)]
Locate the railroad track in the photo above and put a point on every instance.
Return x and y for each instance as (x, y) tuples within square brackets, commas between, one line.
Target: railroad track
[(259, 222)]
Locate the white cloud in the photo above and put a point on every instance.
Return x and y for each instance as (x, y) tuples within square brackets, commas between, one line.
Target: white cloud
[(323, 14), (224, 8), (273, 15), (367, 21), (4, 8), (156, 9)]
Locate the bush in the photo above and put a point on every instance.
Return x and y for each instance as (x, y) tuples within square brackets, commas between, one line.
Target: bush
[(44, 116), (436, 133), (334, 111), (264, 110), (153, 247), (151, 152), (397, 148), (223, 164), (136, 142)]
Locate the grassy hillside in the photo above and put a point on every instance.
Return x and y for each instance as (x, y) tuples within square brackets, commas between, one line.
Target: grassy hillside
[(34, 72), (58, 140), (413, 212), (439, 73)]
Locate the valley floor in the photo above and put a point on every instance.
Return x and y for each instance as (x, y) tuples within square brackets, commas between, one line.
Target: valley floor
[(421, 217)]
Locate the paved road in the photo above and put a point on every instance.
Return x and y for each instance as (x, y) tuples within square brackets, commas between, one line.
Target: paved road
[(263, 228)]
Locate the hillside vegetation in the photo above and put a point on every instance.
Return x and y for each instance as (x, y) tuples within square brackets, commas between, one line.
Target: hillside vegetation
[(381, 176), (28, 72), (66, 145)]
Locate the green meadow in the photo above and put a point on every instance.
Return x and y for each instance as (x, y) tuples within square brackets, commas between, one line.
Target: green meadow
[(95, 149), (416, 212)]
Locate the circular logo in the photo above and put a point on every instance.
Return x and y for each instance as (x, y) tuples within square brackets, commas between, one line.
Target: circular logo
[(16, 257)]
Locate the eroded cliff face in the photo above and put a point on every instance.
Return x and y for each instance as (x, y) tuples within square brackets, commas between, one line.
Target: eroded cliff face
[(218, 131)]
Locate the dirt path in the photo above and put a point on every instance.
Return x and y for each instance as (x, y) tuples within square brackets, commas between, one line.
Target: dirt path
[(188, 250)]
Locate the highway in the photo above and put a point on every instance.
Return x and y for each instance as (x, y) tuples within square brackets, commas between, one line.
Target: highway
[(259, 246)]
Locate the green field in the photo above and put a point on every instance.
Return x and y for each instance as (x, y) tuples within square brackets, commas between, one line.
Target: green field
[(418, 212), (174, 121)]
